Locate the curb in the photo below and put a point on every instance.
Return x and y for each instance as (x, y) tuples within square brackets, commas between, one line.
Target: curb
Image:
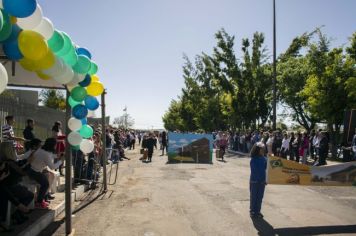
[(43, 222)]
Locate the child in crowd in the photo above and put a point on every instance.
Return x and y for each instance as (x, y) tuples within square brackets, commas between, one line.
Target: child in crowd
[(258, 166)]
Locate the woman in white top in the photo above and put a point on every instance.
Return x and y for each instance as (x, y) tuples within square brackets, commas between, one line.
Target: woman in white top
[(285, 146), (43, 157), (269, 144)]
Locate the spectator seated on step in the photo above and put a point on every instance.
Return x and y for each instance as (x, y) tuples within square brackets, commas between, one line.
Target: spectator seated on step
[(44, 157), (10, 189)]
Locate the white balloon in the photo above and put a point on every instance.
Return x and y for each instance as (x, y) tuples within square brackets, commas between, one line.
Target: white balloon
[(81, 77), (66, 76), (31, 21), (45, 28), (74, 124), (86, 146), (77, 78), (74, 138), (57, 69), (3, 78)]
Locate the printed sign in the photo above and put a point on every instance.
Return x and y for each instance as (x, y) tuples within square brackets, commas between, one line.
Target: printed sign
[(196, 148), (282, 171)]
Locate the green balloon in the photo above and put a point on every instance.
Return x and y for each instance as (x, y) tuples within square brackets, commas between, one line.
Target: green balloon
[(83, 65), (1, 20), (56, 42), (72, 103), (71, 57), (93, 68), (76, 148), (6, 28), (86, 131), (78, 93), (67, 45)]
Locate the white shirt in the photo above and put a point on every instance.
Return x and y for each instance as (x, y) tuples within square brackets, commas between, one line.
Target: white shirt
[(24, 156), (42, 159), (270, 141), (285, 143), (316, 141)]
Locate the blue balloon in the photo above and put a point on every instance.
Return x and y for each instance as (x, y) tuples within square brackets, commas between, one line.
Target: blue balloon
[(86, 81), (19, 8), (84, 51), (80, 111), (91, 103), (12, 51), (84, 121), (15, 31)]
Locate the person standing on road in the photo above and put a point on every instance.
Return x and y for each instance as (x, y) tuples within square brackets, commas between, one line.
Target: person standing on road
[(222, 144), (323, 148), (164, 142), (150, 143), (353, 145), (285, 146), (258, 165)]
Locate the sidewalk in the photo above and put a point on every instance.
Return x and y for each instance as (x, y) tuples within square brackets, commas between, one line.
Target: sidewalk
[(40, 219)]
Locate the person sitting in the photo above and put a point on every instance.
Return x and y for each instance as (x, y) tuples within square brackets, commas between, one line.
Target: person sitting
[(10, 189), (43, 157)]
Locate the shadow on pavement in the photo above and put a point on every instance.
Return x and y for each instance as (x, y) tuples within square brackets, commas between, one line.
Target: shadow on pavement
[(264, 228)]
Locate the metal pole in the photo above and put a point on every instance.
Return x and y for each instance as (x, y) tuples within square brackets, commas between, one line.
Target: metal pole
[(68, 174), (274, 68), (103, 128)]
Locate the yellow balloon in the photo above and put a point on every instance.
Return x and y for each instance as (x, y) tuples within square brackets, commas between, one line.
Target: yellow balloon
[(94, 78), (95, 88), (47, 61), (32, 45), (28, 64), (43, 76)]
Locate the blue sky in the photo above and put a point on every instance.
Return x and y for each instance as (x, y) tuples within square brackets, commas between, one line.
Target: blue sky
[(138, 44)]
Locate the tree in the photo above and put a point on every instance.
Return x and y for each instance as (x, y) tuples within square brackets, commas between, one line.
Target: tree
[(172, 118), (53, 98), (326, 87), (124, 122), (293, 71)]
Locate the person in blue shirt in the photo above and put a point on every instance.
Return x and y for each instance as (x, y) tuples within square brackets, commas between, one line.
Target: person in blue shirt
[(258, 165)]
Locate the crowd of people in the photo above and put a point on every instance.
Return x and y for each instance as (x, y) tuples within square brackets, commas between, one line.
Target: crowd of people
[(27, 157), (307, 148)]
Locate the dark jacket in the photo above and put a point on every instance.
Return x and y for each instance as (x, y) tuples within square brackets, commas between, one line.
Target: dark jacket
[(28, 133), (151, 143), (258, 165)]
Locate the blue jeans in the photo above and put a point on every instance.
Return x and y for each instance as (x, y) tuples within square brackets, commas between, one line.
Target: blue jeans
[(257, 190)]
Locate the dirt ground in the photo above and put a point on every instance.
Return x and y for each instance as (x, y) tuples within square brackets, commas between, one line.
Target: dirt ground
[(156, 199)]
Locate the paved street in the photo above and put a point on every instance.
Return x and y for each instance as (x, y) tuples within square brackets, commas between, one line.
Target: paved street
[(196, 199)]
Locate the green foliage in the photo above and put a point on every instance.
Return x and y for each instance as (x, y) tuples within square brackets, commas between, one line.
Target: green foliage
[(315, 82), (53, 98)]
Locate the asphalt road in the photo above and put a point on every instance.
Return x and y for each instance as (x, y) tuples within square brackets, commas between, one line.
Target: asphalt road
[(152, 199)]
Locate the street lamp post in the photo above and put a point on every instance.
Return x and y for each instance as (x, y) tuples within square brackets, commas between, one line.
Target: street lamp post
[(274, 68)]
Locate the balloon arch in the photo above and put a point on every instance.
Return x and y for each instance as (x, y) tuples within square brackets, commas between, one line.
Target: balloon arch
[(30, 40)]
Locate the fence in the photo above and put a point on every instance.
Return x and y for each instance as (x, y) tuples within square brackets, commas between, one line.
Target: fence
[(44, 117)]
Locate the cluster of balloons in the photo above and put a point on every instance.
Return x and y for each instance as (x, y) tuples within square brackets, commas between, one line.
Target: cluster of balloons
[(31, 39)]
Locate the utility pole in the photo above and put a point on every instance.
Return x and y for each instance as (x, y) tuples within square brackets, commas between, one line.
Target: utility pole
[(274, 68)]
